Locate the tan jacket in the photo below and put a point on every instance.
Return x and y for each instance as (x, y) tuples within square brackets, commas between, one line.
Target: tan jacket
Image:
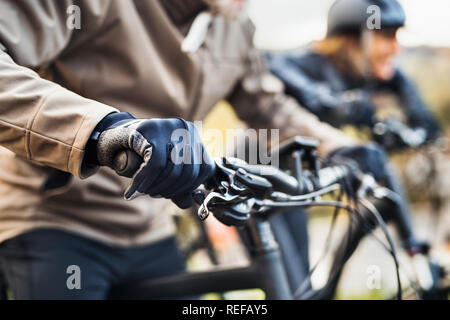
[(126, 57)]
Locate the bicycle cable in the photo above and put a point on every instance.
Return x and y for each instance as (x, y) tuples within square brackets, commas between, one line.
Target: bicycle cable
[(303, 286), (383, 226), (352, 196), (345, 187), (388, 249), (314, 194)]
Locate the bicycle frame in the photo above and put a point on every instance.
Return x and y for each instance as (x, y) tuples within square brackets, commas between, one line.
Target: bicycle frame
[(265, 272)]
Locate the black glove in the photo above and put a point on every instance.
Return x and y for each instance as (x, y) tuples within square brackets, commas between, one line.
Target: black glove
[(370, 159), (357, 108), (349, 107), (174, 160)]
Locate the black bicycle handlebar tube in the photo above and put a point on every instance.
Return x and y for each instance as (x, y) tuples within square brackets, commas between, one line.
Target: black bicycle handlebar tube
[(128, 162)]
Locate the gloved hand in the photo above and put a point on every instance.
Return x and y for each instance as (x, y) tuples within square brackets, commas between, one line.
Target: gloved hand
[(369, 158), (174, 160), (357, 108)]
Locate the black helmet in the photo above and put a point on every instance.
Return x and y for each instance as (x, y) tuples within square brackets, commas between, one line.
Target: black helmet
[(350, 16)]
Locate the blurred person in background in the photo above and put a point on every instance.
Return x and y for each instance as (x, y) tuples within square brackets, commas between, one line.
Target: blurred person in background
[(72, 97), (337, 77)]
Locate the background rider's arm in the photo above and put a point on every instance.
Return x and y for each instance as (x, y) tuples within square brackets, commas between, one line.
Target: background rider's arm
[(40, 120), (260, 101), (417, 113), (338, 108)]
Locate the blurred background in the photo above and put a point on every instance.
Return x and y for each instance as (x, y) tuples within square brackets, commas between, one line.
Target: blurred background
[(425, 57), (292, 24), (289, 24)]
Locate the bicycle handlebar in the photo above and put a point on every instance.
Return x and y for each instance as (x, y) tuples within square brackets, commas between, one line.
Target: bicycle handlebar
[(283, 182), (236, 187), (239, 189), (393, 134), (127, 162)]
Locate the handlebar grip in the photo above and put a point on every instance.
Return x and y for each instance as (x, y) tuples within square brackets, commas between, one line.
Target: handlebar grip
[(126, 163)]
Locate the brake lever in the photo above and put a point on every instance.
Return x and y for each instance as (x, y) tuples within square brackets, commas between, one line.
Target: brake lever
[(214, 198), (227, 192), (235, 187)]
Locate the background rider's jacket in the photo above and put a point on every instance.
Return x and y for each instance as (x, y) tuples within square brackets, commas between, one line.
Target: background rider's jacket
[(125, 57), (315, 82)]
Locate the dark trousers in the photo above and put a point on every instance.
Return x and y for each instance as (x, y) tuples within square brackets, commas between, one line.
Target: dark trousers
[(54, 264)]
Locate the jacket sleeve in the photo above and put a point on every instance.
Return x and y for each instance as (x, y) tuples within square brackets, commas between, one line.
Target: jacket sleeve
[(337, 108), (259, 100), (40, 120), (417, 113)]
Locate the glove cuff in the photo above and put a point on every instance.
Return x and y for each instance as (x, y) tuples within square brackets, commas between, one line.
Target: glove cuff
[(110, 121)]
